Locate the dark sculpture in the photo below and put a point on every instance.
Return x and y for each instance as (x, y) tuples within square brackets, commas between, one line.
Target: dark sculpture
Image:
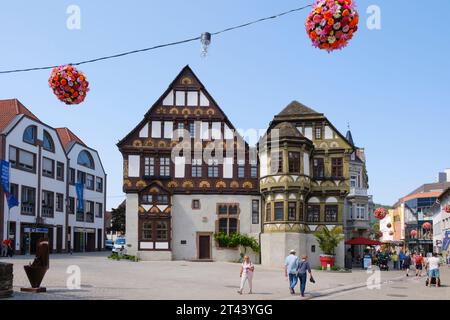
[(36, 271)]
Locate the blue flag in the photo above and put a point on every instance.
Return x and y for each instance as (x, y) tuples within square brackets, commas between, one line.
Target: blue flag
[(80, 195), (5, 176), (12, 201)]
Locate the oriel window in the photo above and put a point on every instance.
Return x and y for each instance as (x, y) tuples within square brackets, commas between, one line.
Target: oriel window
[(337, 167), (313, 213), (276, 162), (294, 162), (318, 168), (292, 211), (331, 213), (279, 211)]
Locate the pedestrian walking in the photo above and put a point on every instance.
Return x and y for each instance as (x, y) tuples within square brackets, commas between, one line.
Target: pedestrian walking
[(247, 269), (395, 260), (4, 248), (433, 264), (303, 268), (407, 263), (401, 257), (418, 261), (290, 270)]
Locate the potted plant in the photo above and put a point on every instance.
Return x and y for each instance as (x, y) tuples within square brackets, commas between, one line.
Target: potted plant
[(328, 241)]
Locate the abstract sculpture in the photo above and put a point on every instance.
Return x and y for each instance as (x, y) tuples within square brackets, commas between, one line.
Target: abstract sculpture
[(36, 271)]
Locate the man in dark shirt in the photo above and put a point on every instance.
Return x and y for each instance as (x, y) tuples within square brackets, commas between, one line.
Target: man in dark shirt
[(303, 267)]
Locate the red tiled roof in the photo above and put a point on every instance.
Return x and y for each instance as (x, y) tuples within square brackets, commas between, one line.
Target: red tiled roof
[(9, 109), (68, 136)]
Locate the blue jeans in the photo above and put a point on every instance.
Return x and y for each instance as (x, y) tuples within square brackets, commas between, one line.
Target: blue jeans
[(302, 277), (292, 280)]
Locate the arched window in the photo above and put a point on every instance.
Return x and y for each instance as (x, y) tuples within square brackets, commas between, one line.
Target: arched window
[(85, 159), (48, 142), (29, 135)]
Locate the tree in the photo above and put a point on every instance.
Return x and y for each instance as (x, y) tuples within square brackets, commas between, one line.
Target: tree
[(329, 239), (118, 218)]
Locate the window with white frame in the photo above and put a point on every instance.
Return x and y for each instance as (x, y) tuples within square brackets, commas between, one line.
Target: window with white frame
[(360, 212)]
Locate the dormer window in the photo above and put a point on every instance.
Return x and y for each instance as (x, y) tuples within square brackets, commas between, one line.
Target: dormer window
[(47, 143), (85, 159), (29, 135)]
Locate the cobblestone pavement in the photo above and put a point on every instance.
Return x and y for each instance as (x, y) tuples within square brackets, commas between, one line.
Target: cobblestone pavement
[(411, 288), (102, 278)]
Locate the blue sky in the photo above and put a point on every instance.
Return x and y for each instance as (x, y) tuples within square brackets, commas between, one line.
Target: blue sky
[(391, 84)]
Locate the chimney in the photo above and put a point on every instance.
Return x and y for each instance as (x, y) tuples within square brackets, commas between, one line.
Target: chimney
[(442, 177)]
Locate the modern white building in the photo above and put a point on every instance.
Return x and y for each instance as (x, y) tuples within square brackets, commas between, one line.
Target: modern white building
[(441, 223), (86, 229), (39, 180)]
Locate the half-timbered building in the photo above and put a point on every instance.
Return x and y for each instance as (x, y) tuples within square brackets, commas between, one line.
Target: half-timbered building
[(187, 176)]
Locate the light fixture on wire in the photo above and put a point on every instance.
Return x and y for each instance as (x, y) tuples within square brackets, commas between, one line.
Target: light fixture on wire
[(206, 41)]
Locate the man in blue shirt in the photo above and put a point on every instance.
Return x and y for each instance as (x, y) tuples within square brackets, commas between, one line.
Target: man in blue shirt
[(290, 270)]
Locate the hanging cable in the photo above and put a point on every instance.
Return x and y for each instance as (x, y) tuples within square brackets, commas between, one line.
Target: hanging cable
[(161, 45)]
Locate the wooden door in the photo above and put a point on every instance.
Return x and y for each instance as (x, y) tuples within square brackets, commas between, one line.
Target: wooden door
[(204, 244)]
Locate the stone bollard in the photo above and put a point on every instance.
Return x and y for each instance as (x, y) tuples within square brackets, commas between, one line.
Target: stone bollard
[(6, 280)]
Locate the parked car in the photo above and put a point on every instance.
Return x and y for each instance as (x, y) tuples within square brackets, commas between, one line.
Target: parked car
[(119, 245), (109, 244)]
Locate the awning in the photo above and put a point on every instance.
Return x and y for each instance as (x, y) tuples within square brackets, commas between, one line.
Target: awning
[(363, 242)]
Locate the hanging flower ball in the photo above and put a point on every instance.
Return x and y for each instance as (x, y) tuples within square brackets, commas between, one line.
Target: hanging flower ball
[(427, 226), (413, 233), (332, 23), (69, 84), (389, 225), (447, 208), (380, 234), (391, 233), (380, 213)]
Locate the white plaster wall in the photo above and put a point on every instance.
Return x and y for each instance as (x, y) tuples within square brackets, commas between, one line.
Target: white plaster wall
[(131, 221), (276, 246), (187, 222)]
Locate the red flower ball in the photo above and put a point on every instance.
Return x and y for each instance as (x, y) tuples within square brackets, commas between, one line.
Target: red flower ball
[(427, 226), (447, 208), (380, 213), (332, 23), (413, 233), (380, 234), (69, 84)]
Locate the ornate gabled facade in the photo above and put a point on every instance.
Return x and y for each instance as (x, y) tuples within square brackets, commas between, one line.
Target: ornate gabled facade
[(358, 205), (304, 181), (187, 176)]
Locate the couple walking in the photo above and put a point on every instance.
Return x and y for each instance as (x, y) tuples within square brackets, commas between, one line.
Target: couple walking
[(295, 269)]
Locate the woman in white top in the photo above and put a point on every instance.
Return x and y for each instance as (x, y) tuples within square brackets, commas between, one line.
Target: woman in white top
[(247, 269)]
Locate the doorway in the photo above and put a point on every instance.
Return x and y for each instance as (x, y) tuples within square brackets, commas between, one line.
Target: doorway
[(204, 246)]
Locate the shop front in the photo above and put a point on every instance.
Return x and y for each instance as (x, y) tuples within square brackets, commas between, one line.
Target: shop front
[(30, 235), (84, 239)]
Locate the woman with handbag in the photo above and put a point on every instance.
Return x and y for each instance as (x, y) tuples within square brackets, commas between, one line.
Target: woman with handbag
[(303, 268), (247, 269)]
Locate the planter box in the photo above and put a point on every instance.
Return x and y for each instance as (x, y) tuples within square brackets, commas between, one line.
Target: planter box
[(326, 260)]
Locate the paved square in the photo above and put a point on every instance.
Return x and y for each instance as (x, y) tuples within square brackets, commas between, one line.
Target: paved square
[(102, 278)]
